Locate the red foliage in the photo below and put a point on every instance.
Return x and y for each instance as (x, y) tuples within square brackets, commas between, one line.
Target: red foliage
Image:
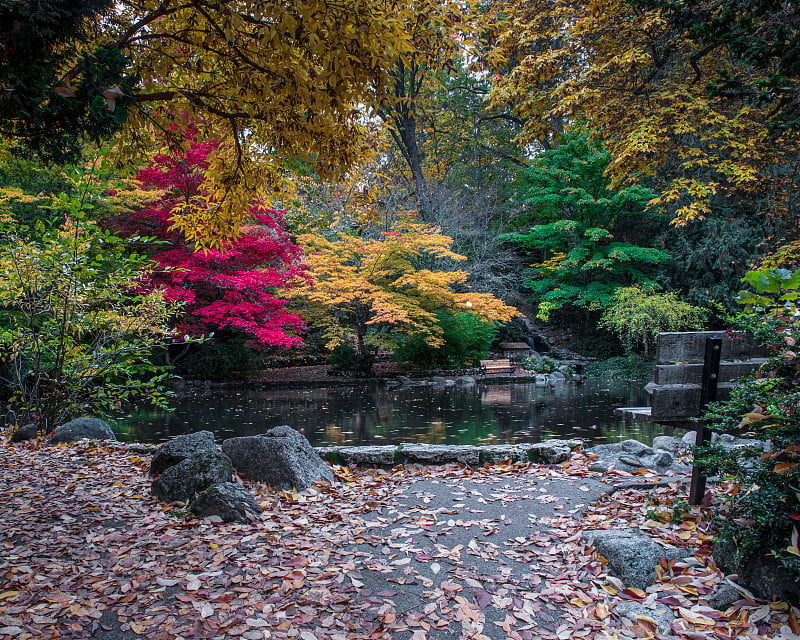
[(233, 288)]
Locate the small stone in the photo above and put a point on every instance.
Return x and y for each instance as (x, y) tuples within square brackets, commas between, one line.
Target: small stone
[(725, 596), (666, 443), (465, 380), (27, 432), (662, 459), (636, 448), (557, 376), (632, 556), (689, 438), (631, 610), (631, 460)]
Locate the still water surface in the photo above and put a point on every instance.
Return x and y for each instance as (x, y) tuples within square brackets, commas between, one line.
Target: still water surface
[(366, 414)]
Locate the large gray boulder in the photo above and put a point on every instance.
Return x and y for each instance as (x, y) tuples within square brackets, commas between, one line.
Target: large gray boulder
[(26, 432), (92, 428), (631, 455), (632, 556), (229, 501), (179, 449), (282, 458), (180, 482)]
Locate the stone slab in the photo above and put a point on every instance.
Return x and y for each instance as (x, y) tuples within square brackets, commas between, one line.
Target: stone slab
[(680, 401), (690, 346), (368, 456), (693, 373), (440, 454)]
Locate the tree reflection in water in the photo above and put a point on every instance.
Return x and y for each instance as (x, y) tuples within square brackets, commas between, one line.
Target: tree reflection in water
[(358, 415)]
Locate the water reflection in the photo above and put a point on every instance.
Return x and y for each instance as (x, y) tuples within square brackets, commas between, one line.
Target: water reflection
[(338, 415)]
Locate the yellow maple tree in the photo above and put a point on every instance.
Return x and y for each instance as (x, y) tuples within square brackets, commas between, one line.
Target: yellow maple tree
[(642, 83), (274, 81)]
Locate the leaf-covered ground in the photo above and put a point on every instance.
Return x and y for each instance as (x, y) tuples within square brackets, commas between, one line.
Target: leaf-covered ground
[(421, 554)]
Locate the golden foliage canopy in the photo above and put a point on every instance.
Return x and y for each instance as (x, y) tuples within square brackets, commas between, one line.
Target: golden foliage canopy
[(278, 81), (642, 84)]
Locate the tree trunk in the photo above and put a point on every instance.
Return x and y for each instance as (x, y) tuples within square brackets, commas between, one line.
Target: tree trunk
[(400, 114), (408, 134)]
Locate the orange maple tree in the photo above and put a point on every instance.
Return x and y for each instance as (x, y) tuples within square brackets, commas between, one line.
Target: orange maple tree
[(371, 288)]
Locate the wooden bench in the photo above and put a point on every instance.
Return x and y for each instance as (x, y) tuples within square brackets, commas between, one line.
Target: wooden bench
[(497, 366)]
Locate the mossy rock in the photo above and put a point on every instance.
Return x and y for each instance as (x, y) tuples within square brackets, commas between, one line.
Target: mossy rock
[(180, 482)]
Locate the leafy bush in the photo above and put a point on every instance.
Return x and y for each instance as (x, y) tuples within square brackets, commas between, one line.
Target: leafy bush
[(627, 367), (465, 340), (764, 512), (638, 316), (75, 336)]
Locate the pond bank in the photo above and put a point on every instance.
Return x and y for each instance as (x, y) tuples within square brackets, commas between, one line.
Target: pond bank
[(318, 376)]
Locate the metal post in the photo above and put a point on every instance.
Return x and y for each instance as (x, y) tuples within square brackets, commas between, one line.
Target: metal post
[(708, 393)]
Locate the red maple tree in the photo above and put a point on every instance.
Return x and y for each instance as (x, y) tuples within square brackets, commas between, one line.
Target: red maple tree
[(233, 288)]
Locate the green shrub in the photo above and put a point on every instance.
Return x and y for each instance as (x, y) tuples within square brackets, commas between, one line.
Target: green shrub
[(542, 364), (637, 316), (627, 367), (465, 341), (75, 336), (346, 360)]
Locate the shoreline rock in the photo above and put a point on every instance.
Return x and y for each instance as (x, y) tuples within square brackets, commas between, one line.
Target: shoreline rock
[(85, 427)]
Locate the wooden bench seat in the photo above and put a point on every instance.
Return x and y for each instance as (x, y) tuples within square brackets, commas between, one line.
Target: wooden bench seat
[(497, 366)]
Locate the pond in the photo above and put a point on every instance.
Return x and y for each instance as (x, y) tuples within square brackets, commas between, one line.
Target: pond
[(369, 414)]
